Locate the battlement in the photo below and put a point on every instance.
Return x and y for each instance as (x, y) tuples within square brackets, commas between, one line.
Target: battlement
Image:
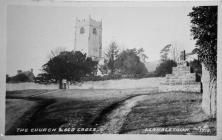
[(88, 22)]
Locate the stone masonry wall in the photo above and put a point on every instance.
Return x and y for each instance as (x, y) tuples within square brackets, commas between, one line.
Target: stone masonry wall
[(181, 79)]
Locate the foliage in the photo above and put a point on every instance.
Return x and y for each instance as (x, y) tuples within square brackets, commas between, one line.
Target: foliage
[(22, 77), (114, 61), (196, 66), (165, 67), (44, 78), (142, 55), (8, 78), (111, 56), (128, 62), (204, 30), (164, 52), (69, 65), (56, 52)]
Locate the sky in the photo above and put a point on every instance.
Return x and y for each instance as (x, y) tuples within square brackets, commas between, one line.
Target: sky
[(33, 31)]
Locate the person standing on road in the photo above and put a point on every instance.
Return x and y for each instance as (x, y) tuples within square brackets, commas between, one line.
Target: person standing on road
[(64, 82)]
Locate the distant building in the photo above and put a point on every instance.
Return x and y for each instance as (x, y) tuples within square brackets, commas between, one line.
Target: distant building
[(88, 37), (23, 76)]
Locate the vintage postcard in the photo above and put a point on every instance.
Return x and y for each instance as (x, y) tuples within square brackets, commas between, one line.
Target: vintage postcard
[(111, 68)]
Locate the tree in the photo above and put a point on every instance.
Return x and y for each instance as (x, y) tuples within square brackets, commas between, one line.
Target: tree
[(164, 52), (7, 78), (204, 30), (165, 67), (111, 56), (22, 77), (171, 52), (56, 52), (142, 55), (44, 78), (69, 65), (196, 67), (128, 62)]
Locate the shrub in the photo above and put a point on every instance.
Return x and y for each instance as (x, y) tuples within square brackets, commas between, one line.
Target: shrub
[(165, 67)]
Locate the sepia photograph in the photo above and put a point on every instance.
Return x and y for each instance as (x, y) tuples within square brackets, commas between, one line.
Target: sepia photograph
[(111, 69)]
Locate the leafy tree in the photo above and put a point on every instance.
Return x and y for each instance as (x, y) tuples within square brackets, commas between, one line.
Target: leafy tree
[(22, 77), (111, 56), (204, 30), (8, 78), (165, 67), (142, 55), (164, 52), (195, 66), (56, 52), (128, 62), (69, 65), (44, 78)]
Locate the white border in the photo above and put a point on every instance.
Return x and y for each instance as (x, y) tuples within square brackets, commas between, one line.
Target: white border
[(115, 3)]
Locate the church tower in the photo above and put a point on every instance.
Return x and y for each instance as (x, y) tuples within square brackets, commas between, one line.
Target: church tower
[(88, 37)]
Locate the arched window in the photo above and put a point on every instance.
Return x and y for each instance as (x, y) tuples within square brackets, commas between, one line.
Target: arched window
[(94, 31), (82, 30)]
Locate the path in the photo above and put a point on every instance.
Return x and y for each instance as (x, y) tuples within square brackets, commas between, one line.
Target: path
[(117, 117), (110, 111)]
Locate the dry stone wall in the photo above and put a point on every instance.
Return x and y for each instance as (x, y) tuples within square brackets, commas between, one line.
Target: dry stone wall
[(152, 83)]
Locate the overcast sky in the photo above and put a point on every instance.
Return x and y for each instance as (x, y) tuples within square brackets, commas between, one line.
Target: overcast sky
[(32, 31)]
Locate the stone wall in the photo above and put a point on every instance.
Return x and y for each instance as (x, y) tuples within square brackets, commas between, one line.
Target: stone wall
[(195, 87), (108, 84), (181, 79)]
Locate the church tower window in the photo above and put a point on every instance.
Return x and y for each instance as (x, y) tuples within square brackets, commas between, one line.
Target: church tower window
[(94, 31), (82, 30)]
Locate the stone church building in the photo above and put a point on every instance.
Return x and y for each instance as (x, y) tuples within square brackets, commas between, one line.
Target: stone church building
[(88, 37)]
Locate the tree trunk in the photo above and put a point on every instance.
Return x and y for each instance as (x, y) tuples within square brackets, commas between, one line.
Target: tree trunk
[(209, 93)]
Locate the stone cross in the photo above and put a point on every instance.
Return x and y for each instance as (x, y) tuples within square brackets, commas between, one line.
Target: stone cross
[(182, 56), (182, 59)]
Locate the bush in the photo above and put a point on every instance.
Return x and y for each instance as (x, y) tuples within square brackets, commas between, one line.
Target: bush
[(44, 78), (165, 68), (150, 74), (22, 77), (196, 67), (7, 78), (128, 62)]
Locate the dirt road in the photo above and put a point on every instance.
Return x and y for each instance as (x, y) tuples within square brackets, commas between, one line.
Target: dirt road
[(109, 111)]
